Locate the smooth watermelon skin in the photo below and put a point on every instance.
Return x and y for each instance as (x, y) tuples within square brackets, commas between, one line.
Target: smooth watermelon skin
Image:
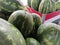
[(32, 41), (23, 21), (9, 34), (49, 34), (37, 21), (35, 4)]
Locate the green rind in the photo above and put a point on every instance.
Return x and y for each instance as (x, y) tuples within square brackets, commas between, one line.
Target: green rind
[(23, 21), (29, 3), (10, 35), (37, 21), (9, 5), (57, 5), (46, 6), (32, 41), (35, 4), (49, 34)]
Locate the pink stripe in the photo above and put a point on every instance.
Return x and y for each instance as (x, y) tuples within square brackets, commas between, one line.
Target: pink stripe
[(48, 16), (31, 10), (53, 14)]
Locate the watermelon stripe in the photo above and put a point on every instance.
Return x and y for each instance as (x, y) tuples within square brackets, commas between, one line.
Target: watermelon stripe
[(10, 35)]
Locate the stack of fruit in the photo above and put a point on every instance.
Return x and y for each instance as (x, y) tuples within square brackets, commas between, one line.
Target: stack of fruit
[(44, 6), (25, 28), (9, 6), (28, 29)]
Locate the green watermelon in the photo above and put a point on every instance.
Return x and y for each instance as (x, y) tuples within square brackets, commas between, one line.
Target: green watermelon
[(37, 21), (10, 5), (57, 5), (29, 2), (49, 34), (10, 35), (35, 4), (46, 6), (23, 21), (32, 41)]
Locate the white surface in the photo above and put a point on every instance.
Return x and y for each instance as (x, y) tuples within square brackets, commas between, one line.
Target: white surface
[(24, 2)]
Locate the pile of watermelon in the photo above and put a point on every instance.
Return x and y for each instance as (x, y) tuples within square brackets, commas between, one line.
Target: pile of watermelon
[(20, 27), (44, 6)]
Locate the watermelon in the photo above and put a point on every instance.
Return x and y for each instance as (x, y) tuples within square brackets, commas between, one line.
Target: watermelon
[(57, 5), (49, 34), (37, 21), (46, 6), (9, 34), (32, 41), (29, 3), (35, 4), (23, 21), (10, 5)]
